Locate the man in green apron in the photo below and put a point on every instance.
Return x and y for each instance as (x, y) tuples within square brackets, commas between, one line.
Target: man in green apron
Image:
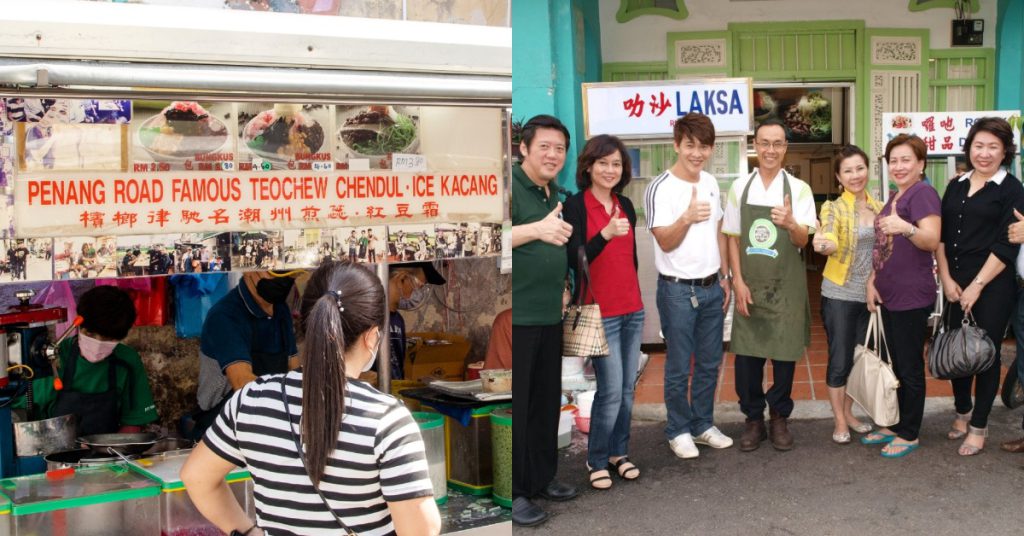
[(768, 217)]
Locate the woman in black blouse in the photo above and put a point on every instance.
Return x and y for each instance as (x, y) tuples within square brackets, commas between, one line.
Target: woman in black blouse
[(976, 263)]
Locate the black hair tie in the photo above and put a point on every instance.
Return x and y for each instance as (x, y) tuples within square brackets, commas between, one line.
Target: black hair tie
[(337, 298)]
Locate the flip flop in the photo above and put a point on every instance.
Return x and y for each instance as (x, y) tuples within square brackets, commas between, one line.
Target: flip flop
[(623, 467), (878, 439), (907, 449)]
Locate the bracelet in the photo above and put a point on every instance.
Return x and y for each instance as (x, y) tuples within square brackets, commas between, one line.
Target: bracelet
[(911, 232), (979, 282), (724, 276)]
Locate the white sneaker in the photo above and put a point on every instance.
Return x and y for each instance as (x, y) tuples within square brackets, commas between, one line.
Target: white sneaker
[(682, 445), (714, 438)]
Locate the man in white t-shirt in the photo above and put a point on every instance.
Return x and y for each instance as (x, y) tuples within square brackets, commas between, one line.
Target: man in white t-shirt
[(768, 217), (684, 215)]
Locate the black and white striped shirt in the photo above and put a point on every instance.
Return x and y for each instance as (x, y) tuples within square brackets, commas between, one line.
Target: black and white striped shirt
[(379, 458)]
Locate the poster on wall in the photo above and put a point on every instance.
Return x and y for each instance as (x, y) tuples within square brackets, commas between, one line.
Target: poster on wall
[(284, 136), (373, 134), (257, 250), (413, 242), (69, 135), (71, 111), (142, 255), (809, 113), (85, 257), (490, 239), (26, 260), (303, 248), (457, 240), (943, 133), (183, 135), (361, 244)]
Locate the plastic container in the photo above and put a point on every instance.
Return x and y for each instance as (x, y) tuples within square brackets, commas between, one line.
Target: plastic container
[(565, 419), (572, 367), (89, 501), (583, 424), (501, 440), (432, 429), (468, 450), (5, 516), (178, 515), (584, 401)]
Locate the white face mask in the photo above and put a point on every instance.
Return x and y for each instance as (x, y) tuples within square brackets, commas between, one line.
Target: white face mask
[(373, 355), (94, 350)]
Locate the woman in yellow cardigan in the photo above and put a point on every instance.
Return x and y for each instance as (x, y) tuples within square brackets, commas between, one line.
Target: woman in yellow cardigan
[(846, 236)]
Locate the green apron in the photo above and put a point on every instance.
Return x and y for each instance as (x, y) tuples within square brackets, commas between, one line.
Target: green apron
[(779, 324)]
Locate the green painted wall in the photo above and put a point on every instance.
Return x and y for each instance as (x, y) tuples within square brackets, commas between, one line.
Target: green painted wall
[(556, 47), (1010, 55)]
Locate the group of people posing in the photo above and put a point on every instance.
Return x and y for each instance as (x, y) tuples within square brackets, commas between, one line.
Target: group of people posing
[(881, 257)]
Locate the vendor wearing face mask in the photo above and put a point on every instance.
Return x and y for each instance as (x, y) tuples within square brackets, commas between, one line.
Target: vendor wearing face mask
[(104, 381), (407, 289), (248, 333)]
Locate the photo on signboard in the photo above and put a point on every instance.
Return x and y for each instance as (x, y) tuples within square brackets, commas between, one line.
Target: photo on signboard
[(203, 252), (257, 250), (28, 259), (141, 255), (413, 242), (53, 146), (305, 248), (183, 135), (374, 133), (490, 239), (73, 111), (284, 136), (360, 244), (85, 257), (456, 240)]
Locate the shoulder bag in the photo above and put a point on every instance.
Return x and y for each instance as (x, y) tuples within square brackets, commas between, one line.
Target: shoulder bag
[(298, 449), (582, 328), (872, 382), (960, 352)]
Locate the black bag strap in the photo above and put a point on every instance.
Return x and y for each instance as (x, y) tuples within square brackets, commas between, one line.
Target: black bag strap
[(582, 278), (298, 448)]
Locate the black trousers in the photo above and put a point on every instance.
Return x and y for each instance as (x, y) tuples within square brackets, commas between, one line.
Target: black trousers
[(750, 375), (536, 392), (992, 313), (905, 333)]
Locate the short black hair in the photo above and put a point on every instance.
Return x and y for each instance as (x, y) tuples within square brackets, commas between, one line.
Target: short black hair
[(543, 121), (107, 311), (597, 148), (772, 122), (998, 127)]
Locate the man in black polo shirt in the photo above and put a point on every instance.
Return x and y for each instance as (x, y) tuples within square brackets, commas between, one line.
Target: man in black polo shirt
[(539, 261)]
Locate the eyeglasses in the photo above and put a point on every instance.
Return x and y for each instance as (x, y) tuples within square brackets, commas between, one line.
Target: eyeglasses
[(774, 145)]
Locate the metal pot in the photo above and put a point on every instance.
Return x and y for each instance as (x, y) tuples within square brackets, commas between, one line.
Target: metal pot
[(114, 444), (39, 438), (169, 444), (75, 458)]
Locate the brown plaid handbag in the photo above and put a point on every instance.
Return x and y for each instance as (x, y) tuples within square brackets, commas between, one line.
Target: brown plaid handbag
[(582, 328)]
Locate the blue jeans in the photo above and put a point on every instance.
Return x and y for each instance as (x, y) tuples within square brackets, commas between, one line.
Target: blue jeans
[(612, 410), (691, 331)]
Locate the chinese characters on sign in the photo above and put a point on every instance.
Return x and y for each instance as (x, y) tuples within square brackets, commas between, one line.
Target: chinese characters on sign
[(943, 133)]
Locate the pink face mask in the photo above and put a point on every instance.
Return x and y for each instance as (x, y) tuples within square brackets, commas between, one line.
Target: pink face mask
[(94, 350)]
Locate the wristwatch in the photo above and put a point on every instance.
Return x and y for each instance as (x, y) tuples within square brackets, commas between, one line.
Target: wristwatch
[(911, 232)]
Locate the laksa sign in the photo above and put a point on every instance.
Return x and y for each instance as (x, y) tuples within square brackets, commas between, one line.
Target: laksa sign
[(648, 110)]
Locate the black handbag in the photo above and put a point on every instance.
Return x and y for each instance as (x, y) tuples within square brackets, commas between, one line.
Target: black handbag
[(959, 352)]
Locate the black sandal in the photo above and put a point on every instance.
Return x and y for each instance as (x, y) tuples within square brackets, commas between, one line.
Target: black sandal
[(594, 481), (623, 467)]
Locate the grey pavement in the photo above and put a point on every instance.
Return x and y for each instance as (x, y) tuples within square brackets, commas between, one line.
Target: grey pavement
[(818, 488)]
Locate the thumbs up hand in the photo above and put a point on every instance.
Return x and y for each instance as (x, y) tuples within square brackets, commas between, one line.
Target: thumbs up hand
[(552, 229), (1016, 229), (617, 226), (783, 216), (697, 211)]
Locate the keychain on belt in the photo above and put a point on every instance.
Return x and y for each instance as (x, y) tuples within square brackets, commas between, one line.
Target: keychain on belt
[(693, 298)]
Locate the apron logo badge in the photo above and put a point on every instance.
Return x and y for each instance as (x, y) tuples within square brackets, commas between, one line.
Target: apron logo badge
[(762, 236)]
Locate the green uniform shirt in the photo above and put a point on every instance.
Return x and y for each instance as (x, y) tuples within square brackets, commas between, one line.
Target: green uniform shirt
[(539, 268), (136, 401)]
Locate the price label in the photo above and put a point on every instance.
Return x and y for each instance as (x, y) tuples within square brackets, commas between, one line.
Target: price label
[(408, 162), (227, 166)]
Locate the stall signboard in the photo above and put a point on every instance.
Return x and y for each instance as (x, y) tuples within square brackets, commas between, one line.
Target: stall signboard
[(943, 133), (95, 204), (648, 110)]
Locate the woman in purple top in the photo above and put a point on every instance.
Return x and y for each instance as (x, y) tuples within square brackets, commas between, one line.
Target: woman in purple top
[(902, 282)]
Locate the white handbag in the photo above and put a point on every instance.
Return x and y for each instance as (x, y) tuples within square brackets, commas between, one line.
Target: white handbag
[(872, 383)]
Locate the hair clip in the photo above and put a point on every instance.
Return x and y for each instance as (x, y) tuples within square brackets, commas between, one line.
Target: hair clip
[(337, 297)]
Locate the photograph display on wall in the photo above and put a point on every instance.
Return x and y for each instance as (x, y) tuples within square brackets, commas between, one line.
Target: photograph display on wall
[(284, 136), (140, 255), (72, 111), (457, 240), (413, 242), (305, 248), (806, 111), (85, 257), (203, 252), (257, 250), (183, 135), (26, 260), (490, 239), (360, 244), (374, 133), (70, 135)]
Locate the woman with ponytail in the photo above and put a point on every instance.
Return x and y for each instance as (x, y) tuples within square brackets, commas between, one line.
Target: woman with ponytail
[(361, 468)]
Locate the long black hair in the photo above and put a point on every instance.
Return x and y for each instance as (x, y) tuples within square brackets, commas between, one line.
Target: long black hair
[(342, 301)]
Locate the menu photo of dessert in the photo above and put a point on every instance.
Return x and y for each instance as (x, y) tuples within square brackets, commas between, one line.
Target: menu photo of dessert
[(375, 133), (284, 136), (183, 136)]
